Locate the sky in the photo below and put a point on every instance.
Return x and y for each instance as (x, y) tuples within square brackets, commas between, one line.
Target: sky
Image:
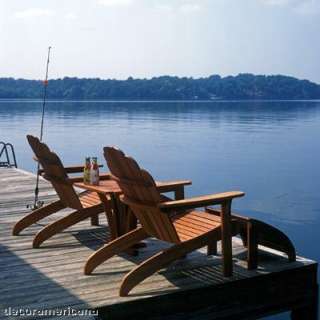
[(147, 38)]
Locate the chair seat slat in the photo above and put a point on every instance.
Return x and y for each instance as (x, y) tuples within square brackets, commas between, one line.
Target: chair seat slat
[(188, 224), (192, 226), (204, 218)]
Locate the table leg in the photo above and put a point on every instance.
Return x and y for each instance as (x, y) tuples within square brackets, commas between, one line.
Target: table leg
[(125, 220), (112, 222), (132, 223), (131, 220), (115, 216)]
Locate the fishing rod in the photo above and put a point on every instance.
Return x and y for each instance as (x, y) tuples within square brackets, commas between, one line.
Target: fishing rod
[(37, 203)]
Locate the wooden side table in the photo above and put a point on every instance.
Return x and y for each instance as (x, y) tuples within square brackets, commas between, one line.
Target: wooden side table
[(121, 220)]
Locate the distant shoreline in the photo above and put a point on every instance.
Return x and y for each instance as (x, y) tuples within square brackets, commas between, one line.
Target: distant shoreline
[(244, 87)]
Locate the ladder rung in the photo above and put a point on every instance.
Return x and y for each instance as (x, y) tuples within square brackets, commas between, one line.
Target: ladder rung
[(5, 150)]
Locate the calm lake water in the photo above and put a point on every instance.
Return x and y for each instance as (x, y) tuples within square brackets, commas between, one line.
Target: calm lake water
[(270, 150)]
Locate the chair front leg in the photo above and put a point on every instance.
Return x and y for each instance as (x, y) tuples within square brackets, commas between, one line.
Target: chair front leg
[(114, 247), (226, 238), (37, 215), (95, 220), (64, 223), (163, 259)]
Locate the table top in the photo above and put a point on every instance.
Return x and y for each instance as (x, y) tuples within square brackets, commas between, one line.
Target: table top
[(109, 185)]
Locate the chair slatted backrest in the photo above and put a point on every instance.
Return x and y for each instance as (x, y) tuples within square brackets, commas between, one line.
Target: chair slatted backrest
[(55, 173), (140, 191)]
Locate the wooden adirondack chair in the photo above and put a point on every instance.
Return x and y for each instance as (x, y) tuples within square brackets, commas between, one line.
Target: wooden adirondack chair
[(171, 221), (87, 204)]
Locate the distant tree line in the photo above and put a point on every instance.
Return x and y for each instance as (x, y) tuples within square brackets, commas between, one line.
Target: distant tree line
[(242, 86)]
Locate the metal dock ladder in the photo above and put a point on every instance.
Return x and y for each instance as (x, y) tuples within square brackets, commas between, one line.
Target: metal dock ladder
[(5, 150)]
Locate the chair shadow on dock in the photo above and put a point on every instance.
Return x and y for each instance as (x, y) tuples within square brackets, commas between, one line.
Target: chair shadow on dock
[(30, 292), (200, 276), (197, 269)]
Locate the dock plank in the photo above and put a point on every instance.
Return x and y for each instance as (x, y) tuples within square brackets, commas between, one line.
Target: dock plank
[(52, 276)]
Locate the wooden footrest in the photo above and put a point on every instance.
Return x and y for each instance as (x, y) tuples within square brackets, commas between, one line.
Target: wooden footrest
[(254, 232)]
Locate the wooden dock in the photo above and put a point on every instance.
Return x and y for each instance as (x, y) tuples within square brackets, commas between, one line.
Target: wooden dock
[(52, 277)]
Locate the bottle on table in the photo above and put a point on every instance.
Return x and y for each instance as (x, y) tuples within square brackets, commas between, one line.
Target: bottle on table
[(86, 171), (94, 174)]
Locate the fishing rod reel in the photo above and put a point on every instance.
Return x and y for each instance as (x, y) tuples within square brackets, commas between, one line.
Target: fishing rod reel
[(36, 205)]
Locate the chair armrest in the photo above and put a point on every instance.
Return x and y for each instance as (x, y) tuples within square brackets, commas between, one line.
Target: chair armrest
[(74, 169), (201, 201), (239, 218), (77, 169), (168, 186), (76, 179), (70, 169), (102, 176)]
